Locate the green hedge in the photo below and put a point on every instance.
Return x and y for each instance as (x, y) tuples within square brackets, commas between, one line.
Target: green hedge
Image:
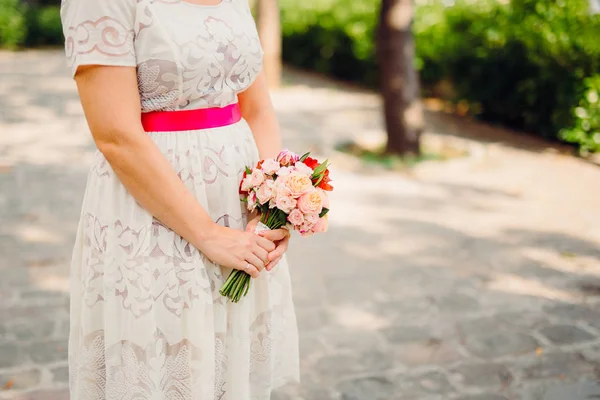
[(29, 25), (529, 64), (13, 25)]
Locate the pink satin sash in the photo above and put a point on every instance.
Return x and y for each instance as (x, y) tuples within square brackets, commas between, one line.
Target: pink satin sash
[(189, 120)]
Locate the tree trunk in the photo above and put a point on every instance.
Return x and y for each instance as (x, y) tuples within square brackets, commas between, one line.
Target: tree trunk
[(398, 77), (269, 30)]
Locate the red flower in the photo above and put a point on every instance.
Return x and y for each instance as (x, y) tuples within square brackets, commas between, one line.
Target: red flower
[(311, 162), (241, 182), (324, 184), (260, 163)]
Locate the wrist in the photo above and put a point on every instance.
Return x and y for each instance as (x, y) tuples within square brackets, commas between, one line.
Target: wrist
[(205, 232)]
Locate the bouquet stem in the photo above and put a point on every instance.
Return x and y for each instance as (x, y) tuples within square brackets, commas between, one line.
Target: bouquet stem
[(237, 284)]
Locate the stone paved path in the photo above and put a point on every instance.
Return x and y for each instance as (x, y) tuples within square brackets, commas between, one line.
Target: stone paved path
[(474, 279)]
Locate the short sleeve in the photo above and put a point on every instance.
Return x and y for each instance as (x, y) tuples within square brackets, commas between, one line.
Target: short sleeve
[(99, 32)]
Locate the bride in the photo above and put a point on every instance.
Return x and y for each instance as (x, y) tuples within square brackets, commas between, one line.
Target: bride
[(177, 104)]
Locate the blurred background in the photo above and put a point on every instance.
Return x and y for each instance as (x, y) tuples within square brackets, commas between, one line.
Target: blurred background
[(463, 258)]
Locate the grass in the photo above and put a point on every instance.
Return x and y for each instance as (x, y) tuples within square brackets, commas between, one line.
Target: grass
[(379, 157)]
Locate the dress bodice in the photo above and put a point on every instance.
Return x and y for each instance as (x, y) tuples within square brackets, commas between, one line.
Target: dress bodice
[(187, 55)]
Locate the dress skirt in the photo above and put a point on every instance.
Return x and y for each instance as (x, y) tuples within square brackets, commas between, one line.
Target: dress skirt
[(147, 319)]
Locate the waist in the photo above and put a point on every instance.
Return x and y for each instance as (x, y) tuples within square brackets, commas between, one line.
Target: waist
[(190, 120)]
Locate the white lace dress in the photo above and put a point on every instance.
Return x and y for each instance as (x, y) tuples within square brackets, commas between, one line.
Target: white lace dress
[(147, 320)]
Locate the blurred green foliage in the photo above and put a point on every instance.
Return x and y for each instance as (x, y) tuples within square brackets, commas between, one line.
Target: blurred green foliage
[(29, 24), (526, 64), (13, 25), (529, 64), (331, 36), (586, 128), (44, 26)]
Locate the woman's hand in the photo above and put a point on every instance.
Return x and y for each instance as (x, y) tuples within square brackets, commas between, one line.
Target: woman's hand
[(237, 249), (281, 238)]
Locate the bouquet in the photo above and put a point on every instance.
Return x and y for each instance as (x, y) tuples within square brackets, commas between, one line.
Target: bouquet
[(288, 192)]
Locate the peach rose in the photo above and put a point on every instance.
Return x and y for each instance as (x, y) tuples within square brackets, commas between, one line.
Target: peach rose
[(324, 196), (298, 184), (311, 202), (270, 166), (322, 225), (257, 177), (296, 217), (285, 201), (266, 191)]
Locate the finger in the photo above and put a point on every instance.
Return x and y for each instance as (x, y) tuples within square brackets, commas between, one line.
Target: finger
[(266, 244), (261, 253), (255, 261), (273, 264), (275, 235), (250, 269), (282, 247), (251, 226)]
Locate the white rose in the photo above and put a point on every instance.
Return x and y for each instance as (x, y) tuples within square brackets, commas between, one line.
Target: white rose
[(270, 166), (303, 168)]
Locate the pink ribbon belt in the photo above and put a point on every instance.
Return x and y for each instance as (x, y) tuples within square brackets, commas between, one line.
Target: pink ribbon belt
[(189, 120)]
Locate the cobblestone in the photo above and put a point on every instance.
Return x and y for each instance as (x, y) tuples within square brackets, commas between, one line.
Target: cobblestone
[(21, 380), (565, 334), (60, 374), (48, 352), (580, 390), (483, 375), (469, 279), (557, 366), (430, 383), (483, 396), (501, 344), (367, 388), (30, 329)]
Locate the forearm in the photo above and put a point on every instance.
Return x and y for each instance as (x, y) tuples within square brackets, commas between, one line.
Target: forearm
[(151, 180), (111, 103), (267, 135)]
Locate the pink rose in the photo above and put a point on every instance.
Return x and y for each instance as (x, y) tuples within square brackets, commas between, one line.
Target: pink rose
[(303, 169), (311, 218), (287, 158), (285, 201), (283, 171), (266, 191), (251, 201), (257, 177), (296, 217), (311, 202), (270, 166), (322, 225), (298, 184), (306, 229)]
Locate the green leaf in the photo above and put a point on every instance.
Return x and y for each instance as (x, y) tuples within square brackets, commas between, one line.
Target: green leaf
[(324, 212), (248, 171), (320, 169), (319, 180), (304, 157)]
